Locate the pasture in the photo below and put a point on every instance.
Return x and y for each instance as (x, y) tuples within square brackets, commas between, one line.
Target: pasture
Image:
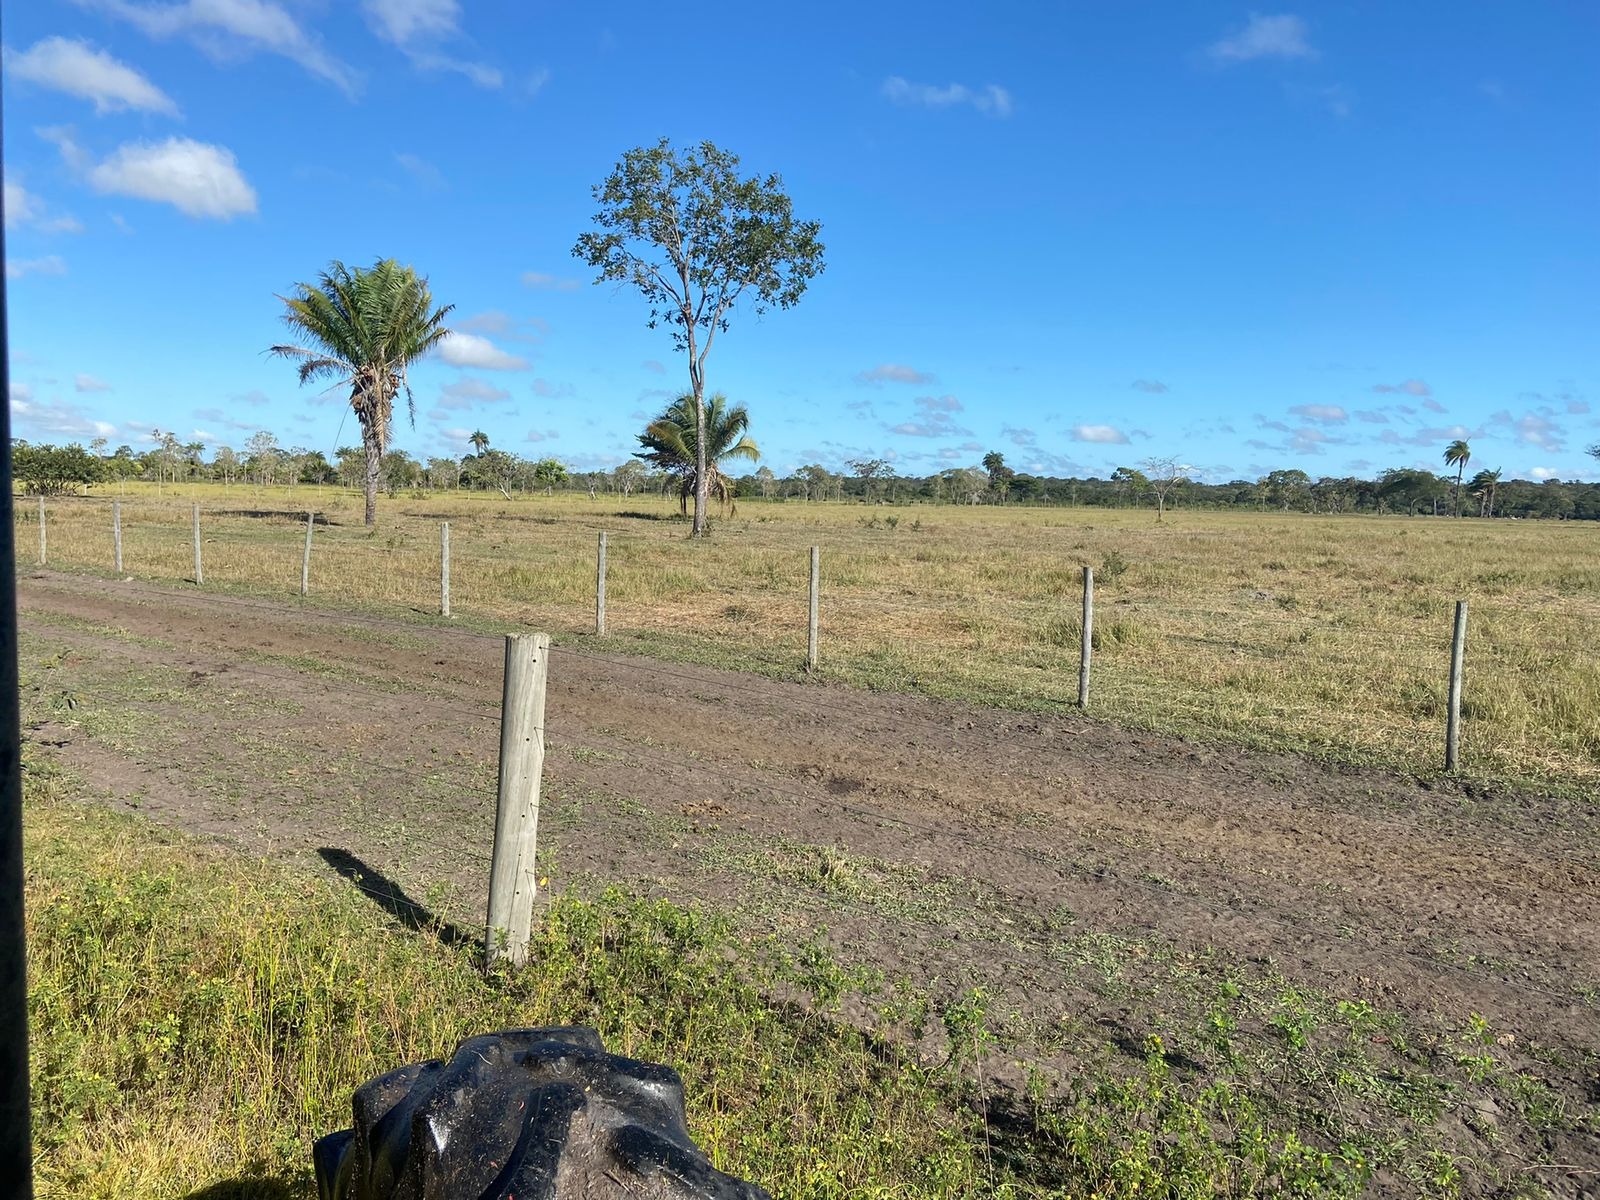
[(1315, 634), (918, 903)]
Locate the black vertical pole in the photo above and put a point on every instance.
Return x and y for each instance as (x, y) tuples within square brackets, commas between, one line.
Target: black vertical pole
[(16, 1143)]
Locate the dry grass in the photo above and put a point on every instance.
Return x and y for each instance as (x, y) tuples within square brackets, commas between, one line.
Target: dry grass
[(1319, 634)]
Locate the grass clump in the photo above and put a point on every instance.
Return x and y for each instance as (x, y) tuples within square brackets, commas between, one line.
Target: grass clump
[(198, 1018)]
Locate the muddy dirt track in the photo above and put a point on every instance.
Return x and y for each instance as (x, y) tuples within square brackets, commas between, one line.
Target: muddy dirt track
[(943, 840)]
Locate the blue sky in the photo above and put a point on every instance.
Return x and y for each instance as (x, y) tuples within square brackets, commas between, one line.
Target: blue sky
[(1331, 237)]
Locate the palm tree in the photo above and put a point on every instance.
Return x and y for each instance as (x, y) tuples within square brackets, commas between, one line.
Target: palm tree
[(480, 441), (1456, 455), (669, 445), (364, 328), (1483, 485)]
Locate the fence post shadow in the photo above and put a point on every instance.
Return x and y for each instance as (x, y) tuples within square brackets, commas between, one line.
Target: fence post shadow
[(391, 897), (252, 1187)]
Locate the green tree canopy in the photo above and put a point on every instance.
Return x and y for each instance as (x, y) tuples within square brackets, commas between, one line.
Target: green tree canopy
[(363, 329), (695, 239), (46, 470), (672, 444)]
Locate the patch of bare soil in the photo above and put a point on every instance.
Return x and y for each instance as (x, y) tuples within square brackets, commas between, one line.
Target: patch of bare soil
[(955, 844)]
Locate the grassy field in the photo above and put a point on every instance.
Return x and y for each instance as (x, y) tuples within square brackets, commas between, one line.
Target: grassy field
[(199, 1017), (1281, 631)]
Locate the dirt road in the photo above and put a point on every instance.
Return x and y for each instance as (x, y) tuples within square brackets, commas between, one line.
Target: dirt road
[(941, 840)]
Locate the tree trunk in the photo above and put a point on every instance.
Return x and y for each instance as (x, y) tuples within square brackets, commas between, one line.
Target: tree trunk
[(369, 440), (701, 489)]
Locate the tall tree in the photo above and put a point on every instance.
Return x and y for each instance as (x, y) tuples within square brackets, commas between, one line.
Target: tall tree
[(1457, 454), (1165, 476), (1483, 485), (1130, 481), (479, 440), (363, 329), (695, 239), (870, 470), (1000, 475), (672, 443), (628, 477)]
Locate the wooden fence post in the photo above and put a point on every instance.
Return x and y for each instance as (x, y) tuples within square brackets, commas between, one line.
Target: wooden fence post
[(600, 589), (513, 873), (811, 617), (1086, 651), (199, 575), (116, 535), (1458, 651), (305, 558), (41, 530), (444, 569)]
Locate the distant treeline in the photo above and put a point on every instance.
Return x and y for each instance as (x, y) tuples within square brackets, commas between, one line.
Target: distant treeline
[(51, 469), (1400, 490)]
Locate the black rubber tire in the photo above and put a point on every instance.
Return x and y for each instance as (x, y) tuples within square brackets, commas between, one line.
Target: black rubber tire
[(529, 1114)]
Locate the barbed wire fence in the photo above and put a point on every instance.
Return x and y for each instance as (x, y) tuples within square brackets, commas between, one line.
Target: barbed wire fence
[(1265, 660)]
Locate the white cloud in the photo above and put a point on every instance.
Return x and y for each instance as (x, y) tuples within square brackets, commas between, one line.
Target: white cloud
[(552, 391), (80, 70), (417, 27), (466, 392), (88, 383), (893, 373), (1281, 36), (198, 179), (1540, 431), (1323, 414), (549, 283), (24, 208), (470, 351), (50, 264), (1153, 386), (481, 74), (54, 418), (225, 29), (1104, 434), (401, 21), (992, 100), (934, 418), (1411, 387), (21, 206), (1542, 473), (503, 324)]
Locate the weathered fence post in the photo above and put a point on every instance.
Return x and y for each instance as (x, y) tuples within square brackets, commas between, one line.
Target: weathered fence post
[(41, 530), (600, 589), (811, 617), (116, 535), (305, 558), (1086, 650), (199, 575), (1458, 651), (513, 873), (444, 569)]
